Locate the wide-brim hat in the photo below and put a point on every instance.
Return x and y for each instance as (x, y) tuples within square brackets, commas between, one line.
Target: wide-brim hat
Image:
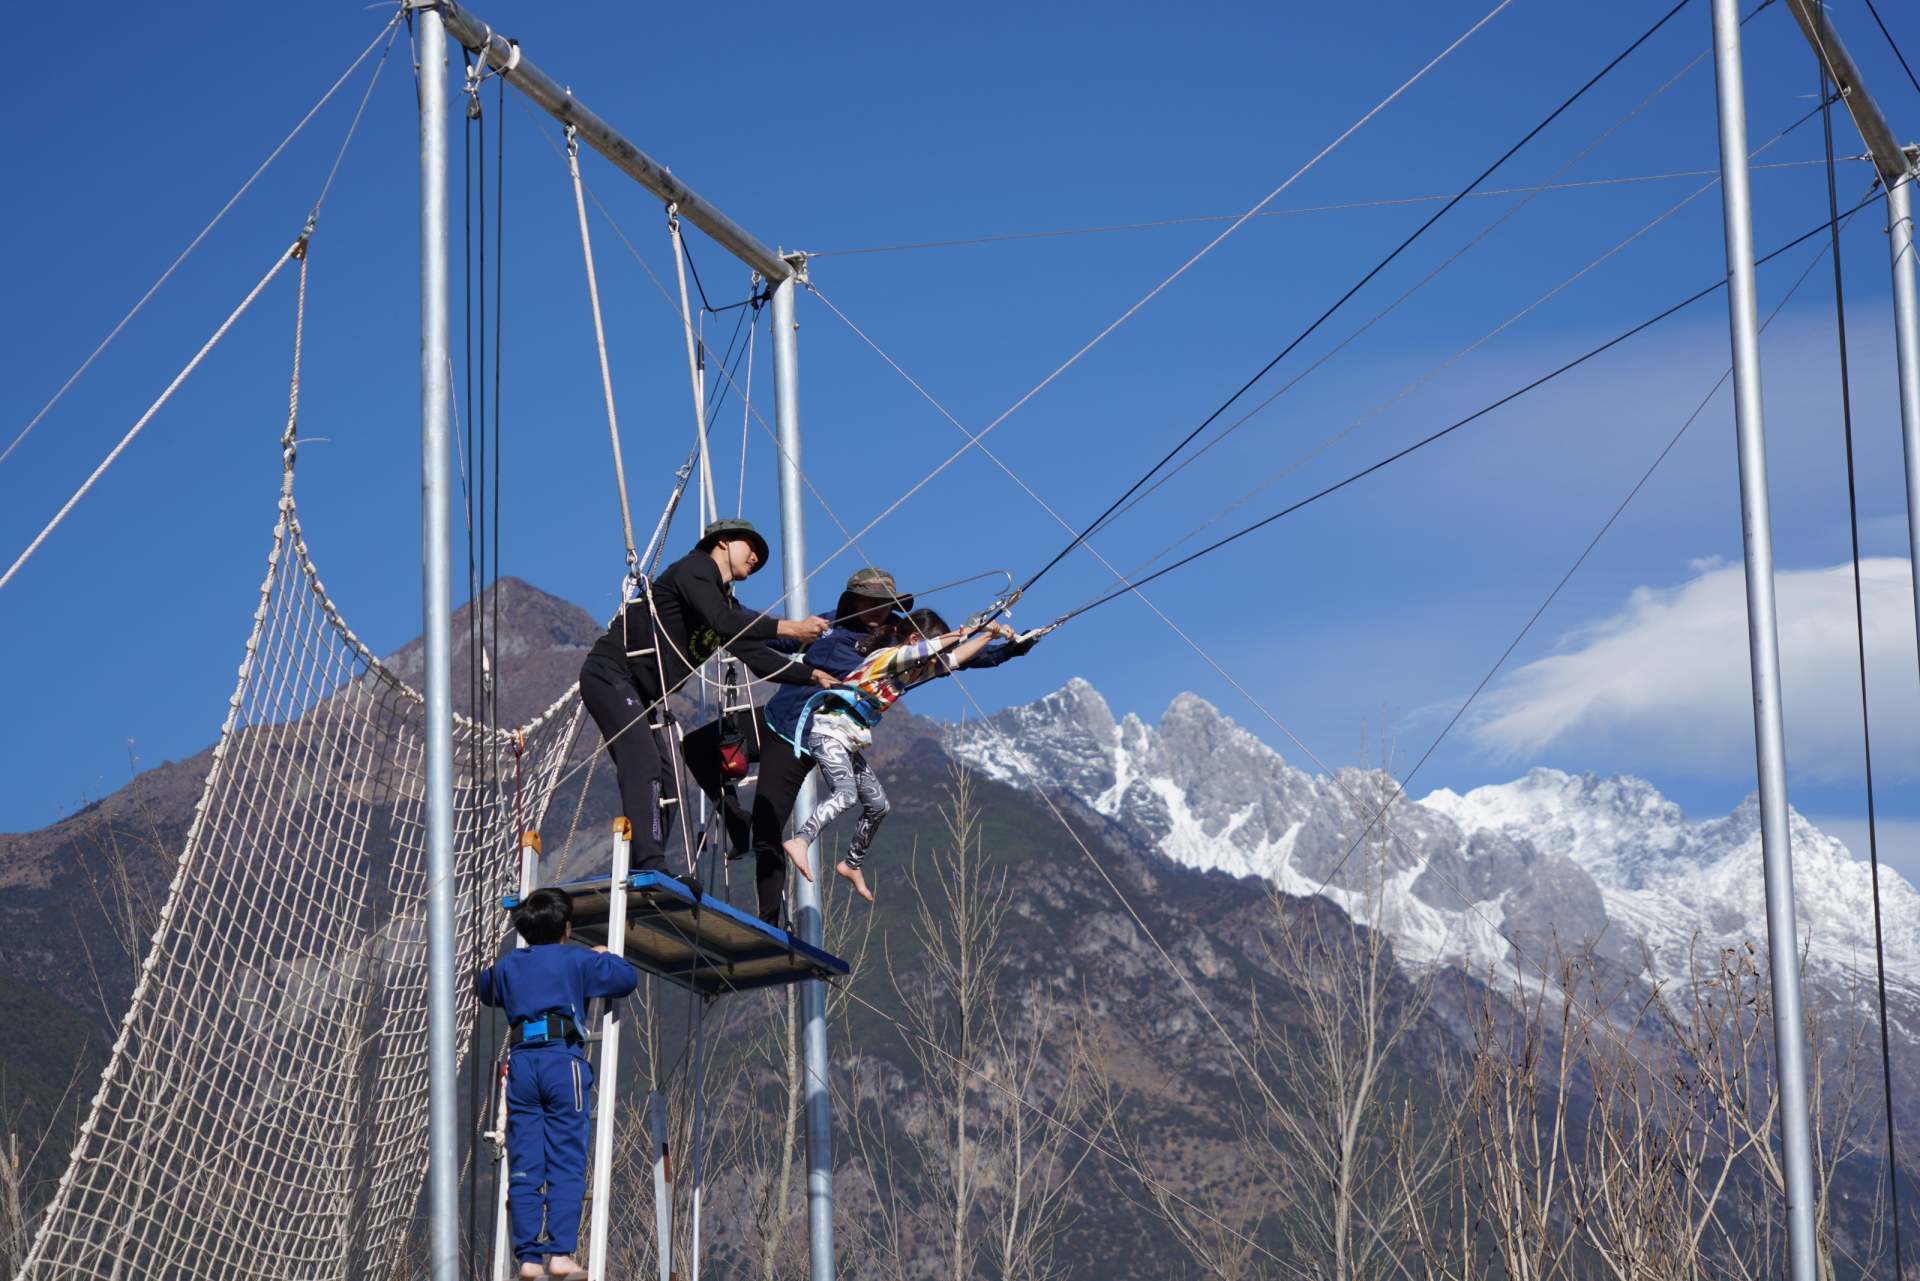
[(875, 585), (731, 528)]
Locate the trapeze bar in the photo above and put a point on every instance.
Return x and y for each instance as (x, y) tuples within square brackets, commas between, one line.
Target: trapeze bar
[(503, 56), (706, 945)]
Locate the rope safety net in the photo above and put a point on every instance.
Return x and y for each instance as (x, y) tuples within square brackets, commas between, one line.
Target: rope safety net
[(264, 1106)]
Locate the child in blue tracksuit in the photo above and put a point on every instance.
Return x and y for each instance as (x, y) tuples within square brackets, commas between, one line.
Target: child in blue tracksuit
[(544, 988)]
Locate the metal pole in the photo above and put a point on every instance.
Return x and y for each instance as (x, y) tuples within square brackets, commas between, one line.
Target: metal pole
[(1763, 639), (436, 607), (503, 1261), (606, 1072), (658, 1133), (1906, 346), (813, 993), (1888, 157), (556, 100)]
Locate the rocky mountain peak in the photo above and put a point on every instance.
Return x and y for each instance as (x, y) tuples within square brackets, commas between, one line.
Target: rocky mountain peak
[(535, 643), (1456, 877)]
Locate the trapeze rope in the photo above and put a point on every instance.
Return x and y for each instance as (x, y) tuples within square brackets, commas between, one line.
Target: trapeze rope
[(600, 345)]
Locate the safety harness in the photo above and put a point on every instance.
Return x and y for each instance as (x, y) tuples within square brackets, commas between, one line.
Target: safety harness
[(545, 1028)]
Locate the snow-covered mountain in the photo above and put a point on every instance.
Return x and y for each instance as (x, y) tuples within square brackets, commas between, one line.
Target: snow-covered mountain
[(1475, 879)]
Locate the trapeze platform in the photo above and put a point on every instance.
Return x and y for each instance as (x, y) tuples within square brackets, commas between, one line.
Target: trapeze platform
[(705, 944)]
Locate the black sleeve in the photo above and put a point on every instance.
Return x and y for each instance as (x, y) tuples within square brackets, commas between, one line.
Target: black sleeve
[(997, 653), (773, 660), (708, 602)]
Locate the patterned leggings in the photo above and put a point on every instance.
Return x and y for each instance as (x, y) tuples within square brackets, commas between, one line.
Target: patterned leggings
[(851, 778)]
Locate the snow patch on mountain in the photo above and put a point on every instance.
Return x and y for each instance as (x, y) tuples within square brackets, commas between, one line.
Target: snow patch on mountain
[(1669, 880), (1473, 879)]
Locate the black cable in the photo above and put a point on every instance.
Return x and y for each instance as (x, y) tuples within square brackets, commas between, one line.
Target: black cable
[(1448, 430), (1860, 642), (1357, 286), (468, 372), (493, 1033), (726, 380), (686, 252), (1896, 53)]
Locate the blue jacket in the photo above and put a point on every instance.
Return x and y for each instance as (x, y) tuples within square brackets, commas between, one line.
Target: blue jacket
[(837, 654), (553, 976)]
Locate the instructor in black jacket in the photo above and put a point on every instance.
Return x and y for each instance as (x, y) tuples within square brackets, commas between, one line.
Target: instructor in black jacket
[(634, 667)]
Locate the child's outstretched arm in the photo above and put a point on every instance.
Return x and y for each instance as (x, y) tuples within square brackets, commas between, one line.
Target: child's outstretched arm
[(960, 655)]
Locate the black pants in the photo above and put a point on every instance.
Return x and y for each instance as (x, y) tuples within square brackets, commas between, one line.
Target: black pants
[(642, 759), (780, 776)]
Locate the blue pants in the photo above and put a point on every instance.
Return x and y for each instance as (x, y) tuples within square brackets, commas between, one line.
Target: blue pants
[(549, 1129)]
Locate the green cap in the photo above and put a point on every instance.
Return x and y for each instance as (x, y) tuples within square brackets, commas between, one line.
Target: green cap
[(731, 528)]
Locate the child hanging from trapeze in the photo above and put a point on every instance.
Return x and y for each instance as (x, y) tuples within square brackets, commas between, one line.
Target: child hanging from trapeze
[(836, 726)]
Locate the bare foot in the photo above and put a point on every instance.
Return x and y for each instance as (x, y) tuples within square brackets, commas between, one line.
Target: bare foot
[(797, 851), (531, 1271), (853, 874), (562, 1266)]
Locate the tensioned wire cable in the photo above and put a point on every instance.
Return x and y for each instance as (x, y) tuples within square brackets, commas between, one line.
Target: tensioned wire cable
[(1344, 206), (1380, 407), (1320, 361), (1893, 45), (1443, 432), (1356, 287), (389, 33), (1860, 645)]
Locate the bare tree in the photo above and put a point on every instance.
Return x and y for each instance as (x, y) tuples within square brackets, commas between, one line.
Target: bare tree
[(1347, 1135)]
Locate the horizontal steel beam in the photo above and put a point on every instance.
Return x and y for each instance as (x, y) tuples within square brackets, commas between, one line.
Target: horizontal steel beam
[(1889, 157), (504, 56)]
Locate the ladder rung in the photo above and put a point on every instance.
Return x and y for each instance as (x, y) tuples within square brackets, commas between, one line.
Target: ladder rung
[(738, 707), (638, 653)]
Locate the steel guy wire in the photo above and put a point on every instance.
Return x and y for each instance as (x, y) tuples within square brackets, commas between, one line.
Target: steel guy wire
[(1388, 202), (1150, 295), (1381, 407), (1581, 560), (1443, 432), (1893, 45), (390, 31), (1355, 288), (1444, 264), (1860, 644)]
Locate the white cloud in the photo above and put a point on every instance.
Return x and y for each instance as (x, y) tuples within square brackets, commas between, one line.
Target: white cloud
[(1663, 684)]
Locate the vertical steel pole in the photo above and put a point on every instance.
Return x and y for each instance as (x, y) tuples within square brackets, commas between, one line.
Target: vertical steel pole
[(436, 582), (1763, 640), (1906, 345), (813, 993), (606, 1071), (503, 1260)]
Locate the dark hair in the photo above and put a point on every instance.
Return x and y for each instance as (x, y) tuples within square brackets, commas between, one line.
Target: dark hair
[(543, 915), (888, 631), (928, 623)]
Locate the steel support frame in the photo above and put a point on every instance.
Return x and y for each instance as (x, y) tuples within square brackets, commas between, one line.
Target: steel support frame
[(440, 18), (436, 609), (1783, 937), (807, 920)]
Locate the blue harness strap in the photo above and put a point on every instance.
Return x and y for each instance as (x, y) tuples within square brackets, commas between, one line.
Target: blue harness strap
[(857, 703)]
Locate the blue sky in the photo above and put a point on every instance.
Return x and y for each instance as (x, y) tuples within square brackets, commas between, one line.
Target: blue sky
[(865, 125)]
